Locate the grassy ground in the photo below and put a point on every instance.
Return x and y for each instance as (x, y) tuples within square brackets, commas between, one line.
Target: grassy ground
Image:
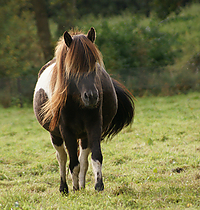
[(152, 165)]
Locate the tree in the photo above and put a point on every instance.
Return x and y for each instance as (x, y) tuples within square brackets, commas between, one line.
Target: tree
[(20, 52), (63, 13), (43, 30), (164, 7)]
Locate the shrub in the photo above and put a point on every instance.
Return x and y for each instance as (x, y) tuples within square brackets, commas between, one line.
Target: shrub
[(127, 46), (5, 98)]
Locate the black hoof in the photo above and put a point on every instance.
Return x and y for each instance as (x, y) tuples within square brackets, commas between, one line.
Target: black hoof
[(99, 186), (64, 188)]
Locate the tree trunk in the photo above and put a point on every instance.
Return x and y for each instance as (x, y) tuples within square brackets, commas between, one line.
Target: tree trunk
[(19, 92), (43, 28), (66, 17), (147, 8)]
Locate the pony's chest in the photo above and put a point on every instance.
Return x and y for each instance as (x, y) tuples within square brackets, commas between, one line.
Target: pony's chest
[(73, 118), (78, 119)]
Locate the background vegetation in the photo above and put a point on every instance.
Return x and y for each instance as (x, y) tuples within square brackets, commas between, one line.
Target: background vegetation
[(155, 164), (154, 48)]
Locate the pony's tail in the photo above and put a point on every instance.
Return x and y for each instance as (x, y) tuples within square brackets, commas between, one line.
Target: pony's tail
[(125, 111)]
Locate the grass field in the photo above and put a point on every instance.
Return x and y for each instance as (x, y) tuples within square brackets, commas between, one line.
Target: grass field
[(152, 165)]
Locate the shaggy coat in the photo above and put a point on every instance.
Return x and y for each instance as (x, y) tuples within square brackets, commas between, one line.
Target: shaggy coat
[(80, 104)]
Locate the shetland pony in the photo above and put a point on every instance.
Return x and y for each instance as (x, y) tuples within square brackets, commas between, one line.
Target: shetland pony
[(80, 104)]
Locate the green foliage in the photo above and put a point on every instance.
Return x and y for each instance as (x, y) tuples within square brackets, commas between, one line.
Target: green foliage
[(150, 56), (137, 174), (5, 97), (63, 13), (163, 8), (19, 52), (127, 46), (104, 7)]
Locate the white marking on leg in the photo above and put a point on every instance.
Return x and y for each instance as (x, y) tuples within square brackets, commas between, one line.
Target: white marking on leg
[(74, 175), (83, 159), (97, 167), (62, 159)]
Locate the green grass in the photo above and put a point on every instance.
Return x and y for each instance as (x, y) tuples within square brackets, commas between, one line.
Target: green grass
[(140, 166)]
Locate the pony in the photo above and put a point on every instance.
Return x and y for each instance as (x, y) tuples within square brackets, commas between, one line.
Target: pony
[(79, 104)]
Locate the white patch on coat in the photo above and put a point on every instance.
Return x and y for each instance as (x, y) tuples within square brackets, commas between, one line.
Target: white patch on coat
[(44, 81), (75, 177), (83, 159), (62, 159), (97, 167)]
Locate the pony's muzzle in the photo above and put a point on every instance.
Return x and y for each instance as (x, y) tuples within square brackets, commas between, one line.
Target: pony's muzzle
[(90, 98)]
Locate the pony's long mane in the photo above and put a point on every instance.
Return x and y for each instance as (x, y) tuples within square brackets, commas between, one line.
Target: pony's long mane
[(77, 60)]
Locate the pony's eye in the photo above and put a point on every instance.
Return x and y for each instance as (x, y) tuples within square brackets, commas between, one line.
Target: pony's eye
[(94, 72)]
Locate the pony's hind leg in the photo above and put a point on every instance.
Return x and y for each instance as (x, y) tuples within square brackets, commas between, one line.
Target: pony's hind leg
[(62, 159), (83, 159)]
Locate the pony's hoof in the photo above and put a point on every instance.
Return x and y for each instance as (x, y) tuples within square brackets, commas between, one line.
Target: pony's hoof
[(75, 188), (64, 190), (99, 186)]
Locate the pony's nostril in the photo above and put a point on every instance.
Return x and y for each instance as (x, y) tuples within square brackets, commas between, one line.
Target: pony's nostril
[(95, 96), (90, 98), (86, 96)]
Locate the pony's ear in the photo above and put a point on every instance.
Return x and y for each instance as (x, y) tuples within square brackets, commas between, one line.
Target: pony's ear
[(67, 38), (91, 35)]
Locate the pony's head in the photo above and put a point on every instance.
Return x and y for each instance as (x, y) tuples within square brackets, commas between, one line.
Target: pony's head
[(85, 90), (82, 68), (77, 60), (77, 54)]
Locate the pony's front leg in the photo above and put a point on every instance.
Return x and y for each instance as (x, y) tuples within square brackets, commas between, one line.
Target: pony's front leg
[(83, 159), (62, 159), (94, 138), (97, 160), (74, 166)]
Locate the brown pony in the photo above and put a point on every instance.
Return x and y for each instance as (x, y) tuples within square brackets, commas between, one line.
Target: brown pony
[(80, 104)]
